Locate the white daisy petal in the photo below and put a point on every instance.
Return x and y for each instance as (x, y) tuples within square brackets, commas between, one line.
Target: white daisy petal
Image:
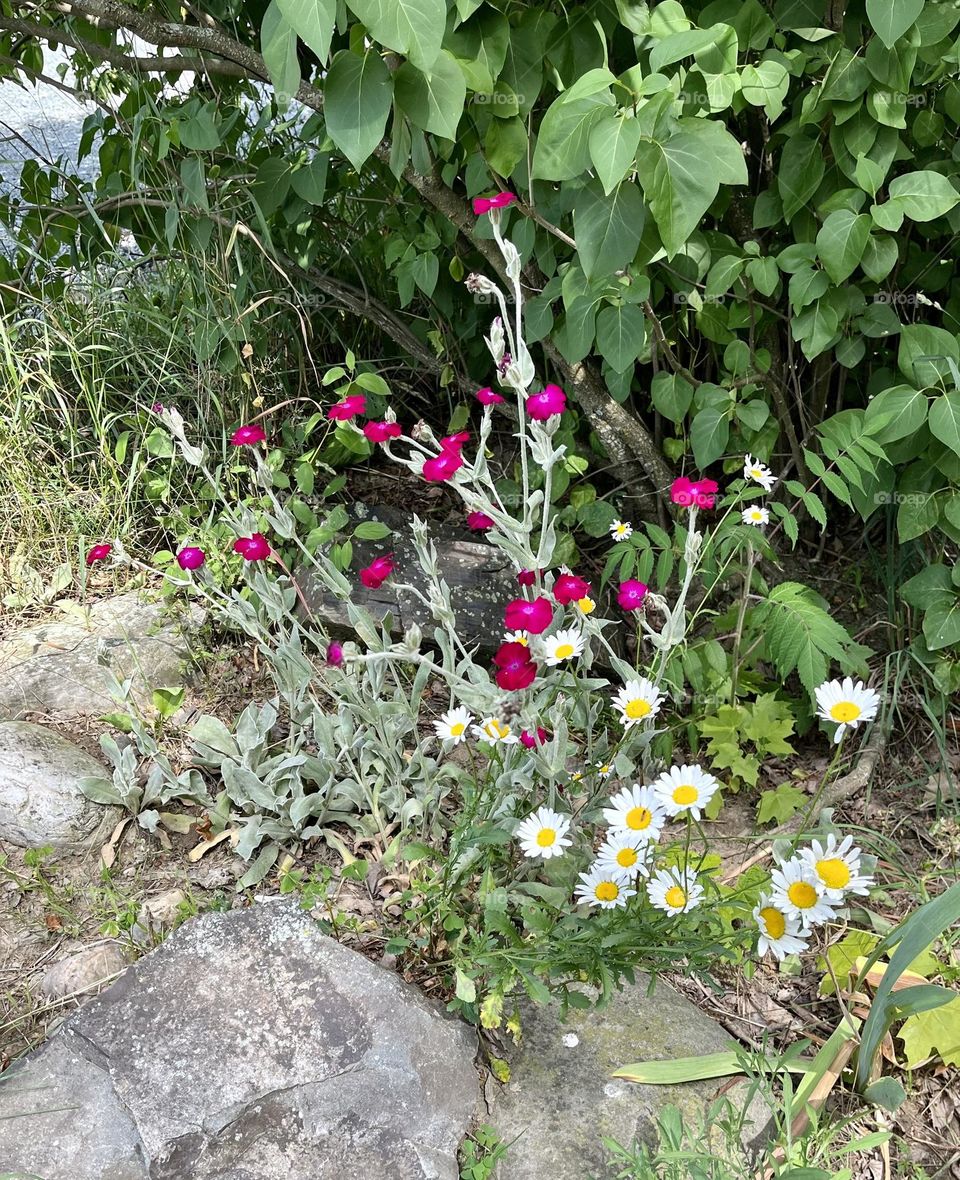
[(675, 891), (623, 852), (562, 646), (636, 701), (544, 834), (685, 789), (755, 515), (621, 530), (757, 472), (780, 932), (837, 865), (495, 732), (637, 811), (846, 704), (798, 891), (601, 887), (453, 725)]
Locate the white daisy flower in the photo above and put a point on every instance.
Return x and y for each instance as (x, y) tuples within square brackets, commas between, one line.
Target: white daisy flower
[(685, 789), (576, 776), (621, 530), (837, 866), (561, 646), (544, 833), (609, 890), (495, 733), (516, 637), (756, 515), (623, 852), (453, 725), (635, 810), (636, 700), (603, 769), (779, 932), (759, 473), (586, 605), (846, 703), (798, 892), (674, 890)]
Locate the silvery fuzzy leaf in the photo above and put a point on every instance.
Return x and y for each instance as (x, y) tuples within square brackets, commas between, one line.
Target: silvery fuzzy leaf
[(511, 256), (153, 788), (260, 867), (283, 523), (100, 790), (525, 365), (245, 788), (149, 820), (250, 837), (212, 741)]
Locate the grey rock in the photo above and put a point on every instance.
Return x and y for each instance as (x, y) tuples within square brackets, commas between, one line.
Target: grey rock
[(249, 1046), (561, 1100), (55, 668), (40, 797), (85, 971), (480, 578)]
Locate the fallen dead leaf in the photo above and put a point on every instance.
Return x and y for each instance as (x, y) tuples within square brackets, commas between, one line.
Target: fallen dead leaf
[(204, 846)]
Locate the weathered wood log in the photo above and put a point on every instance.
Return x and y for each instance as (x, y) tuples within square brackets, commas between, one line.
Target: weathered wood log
[(481, 580)]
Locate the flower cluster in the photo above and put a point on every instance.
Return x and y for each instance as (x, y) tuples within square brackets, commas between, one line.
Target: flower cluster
[(807, 891), (635, 817), (756, 472)]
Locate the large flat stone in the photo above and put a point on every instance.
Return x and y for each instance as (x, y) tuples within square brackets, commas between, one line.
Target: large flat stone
[(40, 797), (562, 1099), (54, 668), (480, 577), (248, 1046)]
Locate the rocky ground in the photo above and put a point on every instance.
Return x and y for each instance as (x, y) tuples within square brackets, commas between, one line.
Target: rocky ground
[(154, 1022)]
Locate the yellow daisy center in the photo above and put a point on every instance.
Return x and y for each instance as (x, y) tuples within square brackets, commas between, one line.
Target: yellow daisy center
[(774, 921), (496, 730), (564, 651), (802, 894), (639, 818), (546, 837), (685, 794), (607, 891), (637, 708), (675, 898), (756, 473), (457, 729), (627, 858), (576, 776), (845, 711), (603, 769), (521, 639), (756, 514), (587, 605), (834, 873)]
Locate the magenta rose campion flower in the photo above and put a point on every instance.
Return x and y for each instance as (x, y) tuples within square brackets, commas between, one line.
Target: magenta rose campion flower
[(479, 522), (531, 740), (631, 594), (247, 436), (99, 553), (253, 548), (349, 408), (487, 397), (443, 467), (516, 667), (455, 442), (483, 205), (376, 573), (523, 615), (379, 432), (701, 494), (527, 577), (191, 558), (549, 401), (569, 588), (335, 654)]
